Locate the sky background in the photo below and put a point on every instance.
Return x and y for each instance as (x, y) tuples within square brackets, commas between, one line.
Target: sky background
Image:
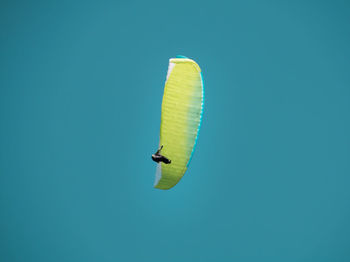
[(81, 85)]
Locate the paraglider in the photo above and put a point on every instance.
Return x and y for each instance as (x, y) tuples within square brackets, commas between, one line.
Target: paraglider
[(157, 157), (182, 110)]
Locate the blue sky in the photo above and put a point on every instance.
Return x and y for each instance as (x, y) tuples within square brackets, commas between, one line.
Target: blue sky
[(81, 86)]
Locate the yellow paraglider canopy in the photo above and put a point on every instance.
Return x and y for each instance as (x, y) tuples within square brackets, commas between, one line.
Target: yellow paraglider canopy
[(182, 110)]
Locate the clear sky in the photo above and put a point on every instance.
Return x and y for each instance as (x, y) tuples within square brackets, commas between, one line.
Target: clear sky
[(81, 85)]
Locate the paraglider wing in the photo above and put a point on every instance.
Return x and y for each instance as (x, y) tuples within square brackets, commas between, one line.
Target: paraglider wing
[(182, 109)]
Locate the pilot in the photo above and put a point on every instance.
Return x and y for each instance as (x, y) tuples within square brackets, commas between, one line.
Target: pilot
[(157, 157)]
